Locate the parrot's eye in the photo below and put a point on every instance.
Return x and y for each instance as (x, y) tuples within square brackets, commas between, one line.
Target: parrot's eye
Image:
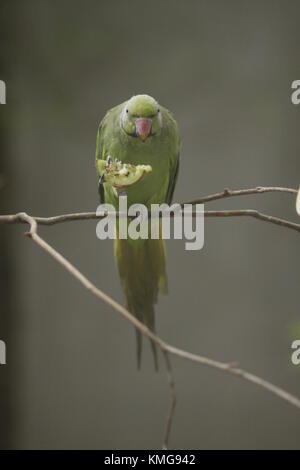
[(158, 110), (127, 111)]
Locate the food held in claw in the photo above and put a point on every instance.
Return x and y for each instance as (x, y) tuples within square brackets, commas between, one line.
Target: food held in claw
[(121, 175)]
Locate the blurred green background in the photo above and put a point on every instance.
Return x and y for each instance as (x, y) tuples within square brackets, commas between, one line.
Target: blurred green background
[(225, 70)]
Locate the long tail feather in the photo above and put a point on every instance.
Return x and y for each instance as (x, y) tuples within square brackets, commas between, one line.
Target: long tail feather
[(142, 269)]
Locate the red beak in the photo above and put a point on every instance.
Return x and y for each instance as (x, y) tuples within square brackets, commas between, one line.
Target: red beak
[(143, 127)]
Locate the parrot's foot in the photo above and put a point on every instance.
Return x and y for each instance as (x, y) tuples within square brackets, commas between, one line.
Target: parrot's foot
[(101, 188), (101, 179)]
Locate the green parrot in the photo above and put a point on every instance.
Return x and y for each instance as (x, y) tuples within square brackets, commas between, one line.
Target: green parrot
[(140, 132)]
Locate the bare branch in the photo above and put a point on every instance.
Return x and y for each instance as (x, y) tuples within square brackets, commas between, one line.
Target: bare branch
[(14, 219), (229, 368), (213, 197)]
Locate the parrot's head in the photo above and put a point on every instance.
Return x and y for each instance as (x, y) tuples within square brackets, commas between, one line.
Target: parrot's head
[(141, 117)]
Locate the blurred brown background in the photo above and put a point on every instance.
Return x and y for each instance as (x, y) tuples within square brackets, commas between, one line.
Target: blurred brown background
[(225, 70)]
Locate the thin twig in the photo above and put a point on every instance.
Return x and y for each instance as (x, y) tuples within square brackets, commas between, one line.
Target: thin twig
[(256, 215), (242, 192), (172, 399)]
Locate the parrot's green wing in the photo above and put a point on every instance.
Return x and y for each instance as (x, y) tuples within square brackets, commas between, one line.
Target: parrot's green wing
[(106, 123), (174, 155), (100, 144), (101, 151), (172, 181), (99, 156)]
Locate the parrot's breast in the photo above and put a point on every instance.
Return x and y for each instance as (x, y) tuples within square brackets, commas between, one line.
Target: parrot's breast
[(152, 189)]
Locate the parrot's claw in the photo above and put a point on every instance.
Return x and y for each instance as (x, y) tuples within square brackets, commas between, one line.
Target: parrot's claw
[(101, 179), (101, 188)]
